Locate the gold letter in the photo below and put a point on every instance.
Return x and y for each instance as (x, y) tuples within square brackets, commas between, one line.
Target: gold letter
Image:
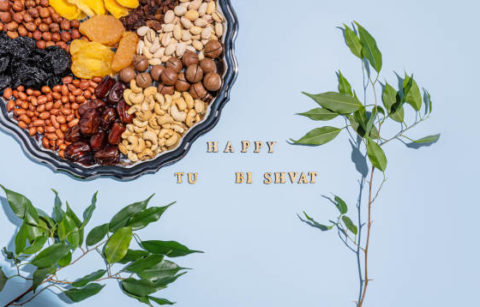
[(258, 146), (245, 146), (239, 178), (192, 178), (280, 178), (303, 179), (212, 146), (293, 176), (270, 146), (249, 178), (313, 176), (229, 148), (268, 178), (179, 177)]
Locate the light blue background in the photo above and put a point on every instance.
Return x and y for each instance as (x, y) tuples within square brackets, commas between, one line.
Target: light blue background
[(424, 245)]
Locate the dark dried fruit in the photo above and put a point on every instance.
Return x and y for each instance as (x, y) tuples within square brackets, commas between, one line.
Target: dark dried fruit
[(98, 141), (115, 135), (92, 104), (108, 118), (122, 110), (116, 93), (90, 122), (77, 151), (73, 134), (108, 156), (104, 87), (149, 12)]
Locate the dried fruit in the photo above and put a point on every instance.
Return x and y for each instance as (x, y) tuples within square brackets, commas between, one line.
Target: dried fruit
[(104, 29), (115, 9), (102, 90), (91, 59), (67, 10), (131, 4), (83, 6), (90, 7), (125, 52)]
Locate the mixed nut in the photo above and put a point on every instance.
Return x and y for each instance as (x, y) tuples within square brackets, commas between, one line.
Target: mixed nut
[(139, 78)]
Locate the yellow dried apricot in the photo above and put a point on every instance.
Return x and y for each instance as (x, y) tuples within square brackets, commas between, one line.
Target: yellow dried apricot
[(116, 9), (82, 5), (66, 9), (131, 4), (104, 29), (125, 51), (91, 59)]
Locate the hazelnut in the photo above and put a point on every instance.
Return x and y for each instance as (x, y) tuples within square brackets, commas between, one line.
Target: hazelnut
[(4, 5), (56, 37), (166, 90), (12, 34), (49, 44), (140, 63), (41, 44), (54, 27), (190, 58), (44, 12), (156, 72), (27, 17), (47, 36), (182, 84), (208, 65), (12, 26), (213, 49), (18, 6), (175, 64), (37, 35), (43, 27), (169, 76), (5, 17), (31, 27), (212, 82), (194, 73), (22, 31), (144, 80), (17, 17), (198, 91), (75, 24), (65, 25), (127, 74), (44, 3), (66, 37), (33, 12), (75, 34)]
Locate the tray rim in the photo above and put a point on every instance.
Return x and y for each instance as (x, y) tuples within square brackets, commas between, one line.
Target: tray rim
[(49, 158)]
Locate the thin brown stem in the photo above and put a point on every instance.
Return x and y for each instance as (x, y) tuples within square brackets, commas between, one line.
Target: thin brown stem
[(12, 302)]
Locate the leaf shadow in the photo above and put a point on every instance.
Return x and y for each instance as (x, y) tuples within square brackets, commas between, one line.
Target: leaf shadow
[(420, 145), (358, 159)]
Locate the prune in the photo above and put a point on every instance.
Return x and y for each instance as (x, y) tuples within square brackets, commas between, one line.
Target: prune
[(77, 151), (58, 59), (5, 81), (122, 110), (4, 62), (116, 93), (98, 141), (90, 122), (104, 87), (108, 156), (73, 134), (91, 105), (115, 135), (108, 117)]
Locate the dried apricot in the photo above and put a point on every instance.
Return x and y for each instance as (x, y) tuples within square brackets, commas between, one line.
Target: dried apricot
[(125, 52), (104, 29), (90, 59), (131, 4), (116, 9), (66, 9)]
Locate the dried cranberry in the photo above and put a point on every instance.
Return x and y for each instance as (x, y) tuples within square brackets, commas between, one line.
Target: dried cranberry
[(90, 122), (77, 151), (122, 110), (108, 156), (73, 134), (101, 91), (115, 135), (93, 104), (108, 117), (116, 93), (98, 141)]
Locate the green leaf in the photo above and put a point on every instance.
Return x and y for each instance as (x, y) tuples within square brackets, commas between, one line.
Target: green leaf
[(319, 114), (144, 299), (336, 102), (36, 245), (352, 41), (133, 255), (3, 279), (344, 86), (67, 230), (138, 287), (77, 222), (389, 98), (319, 136), (374, 134), (160, 271), (40, 274), (65, 260), (117, 245), (341, 205), (428, 139), (167, 248), (88, 278), (141, 219), (161, 301), (50, 255), (78, 295), (369, 48), (427, 99), (376, 155), (87, 214), (20, 239), (142, 264), (311, 222), (165, 281), (97, 234), (350, 225), (371, 120), (361, 118), (58, 213), (21, 206), (412, 93), (121, 218)]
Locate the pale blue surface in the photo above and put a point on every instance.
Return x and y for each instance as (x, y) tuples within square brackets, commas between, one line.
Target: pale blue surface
[(425, 243)]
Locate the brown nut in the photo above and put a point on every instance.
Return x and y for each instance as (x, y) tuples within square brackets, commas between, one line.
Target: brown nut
[(127, 74), (66, 37), (198, 91), (5, 17), (169, 76), (54, 27), (213, 49), (190, 58), (5, 5), (157, 71), (144, 80), (212, 82), (182, 84), (166, 90), (175, 64), (194, 73), (140, 63), (65, 25), (208, 65)]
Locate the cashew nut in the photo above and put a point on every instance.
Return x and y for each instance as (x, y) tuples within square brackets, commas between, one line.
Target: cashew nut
[(172, 140), (177, 115), (190, 120), (150, 91), (136, 98), (134, 87)]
